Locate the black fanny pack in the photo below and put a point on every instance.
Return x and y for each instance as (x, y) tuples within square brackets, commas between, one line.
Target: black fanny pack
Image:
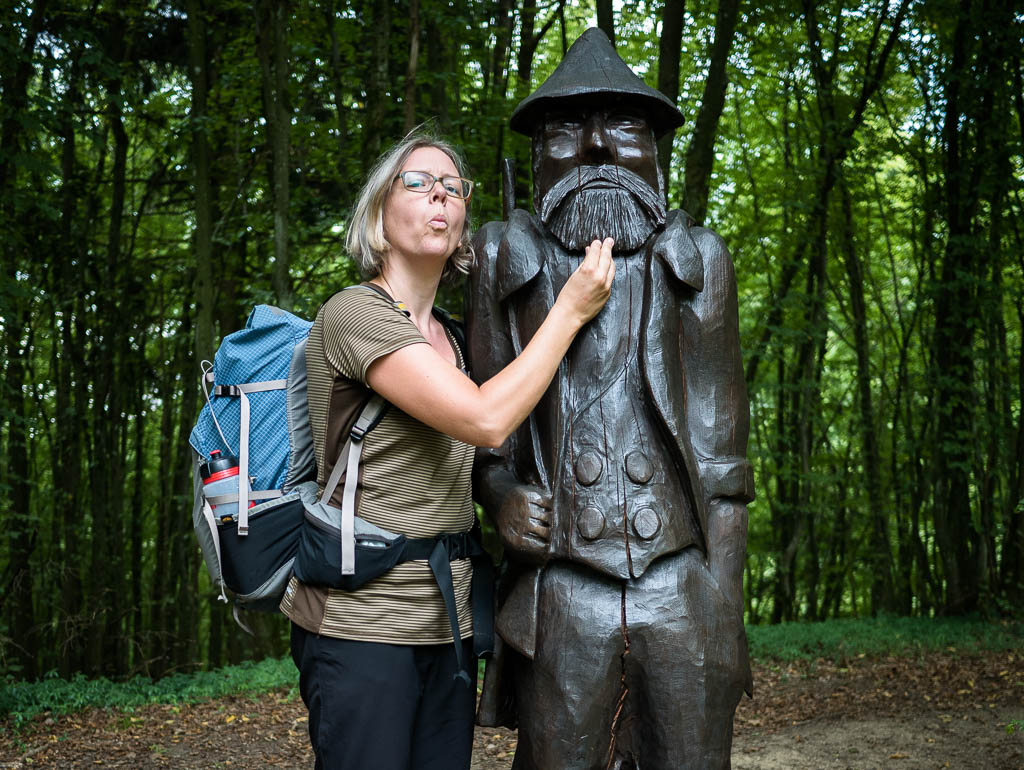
[(318, 563)]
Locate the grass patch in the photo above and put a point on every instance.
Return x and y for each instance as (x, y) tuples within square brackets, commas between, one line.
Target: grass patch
[(21, 701), (838, 640), (841, 640)]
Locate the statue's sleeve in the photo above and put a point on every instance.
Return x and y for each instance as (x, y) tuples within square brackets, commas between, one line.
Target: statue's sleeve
[(717, 410), (489, 343)]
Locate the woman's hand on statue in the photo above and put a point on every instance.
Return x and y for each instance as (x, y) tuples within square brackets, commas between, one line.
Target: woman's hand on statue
[(524, 523), (590, 285)]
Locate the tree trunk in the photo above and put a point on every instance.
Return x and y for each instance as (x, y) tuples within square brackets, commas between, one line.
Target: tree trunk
[(810, 356), (880, 556), (606, 18), (438, 61), (138, 506), (669, 48), (184, 558), (1011, 576), (968, 162), (700, 155), (272, 47), (339, 77), (1012, 570), (105, 597), (377, 80), (108, 473), (70, 375), (528, 42), (504, 22), (166, 513), (786, 534), (410, 73), (527, 47), (15, 76), (19, 521), (201, 181), (996, 385), (202, 184)]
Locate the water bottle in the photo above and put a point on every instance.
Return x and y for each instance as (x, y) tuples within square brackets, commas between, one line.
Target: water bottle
[(220, 477)]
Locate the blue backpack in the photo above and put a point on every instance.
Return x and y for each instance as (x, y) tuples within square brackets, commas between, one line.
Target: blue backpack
[(256, 413), (258, 376)]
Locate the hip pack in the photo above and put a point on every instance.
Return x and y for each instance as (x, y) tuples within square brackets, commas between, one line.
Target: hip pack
[(256, 511)]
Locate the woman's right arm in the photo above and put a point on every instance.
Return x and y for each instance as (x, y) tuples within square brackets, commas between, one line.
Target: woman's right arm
[(421, 383)]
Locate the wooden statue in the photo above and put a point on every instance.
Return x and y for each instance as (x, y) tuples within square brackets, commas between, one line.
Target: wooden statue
[(621, 501)]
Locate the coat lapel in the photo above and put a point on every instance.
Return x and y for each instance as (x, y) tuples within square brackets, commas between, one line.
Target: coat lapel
[(520, 254), (675, 268)]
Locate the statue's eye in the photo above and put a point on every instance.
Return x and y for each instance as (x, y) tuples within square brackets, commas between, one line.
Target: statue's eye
[(624, 120), (560, 123)]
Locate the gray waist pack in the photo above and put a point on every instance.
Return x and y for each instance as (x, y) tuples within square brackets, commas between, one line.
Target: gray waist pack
[(321, 555), (377, 550)]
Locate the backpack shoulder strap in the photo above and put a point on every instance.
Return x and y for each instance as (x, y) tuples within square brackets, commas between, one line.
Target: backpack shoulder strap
[(371, 413), (348, 460), (456, 328)]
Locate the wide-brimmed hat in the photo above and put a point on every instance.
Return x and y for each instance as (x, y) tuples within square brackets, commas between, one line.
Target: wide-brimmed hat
[(592, 70)]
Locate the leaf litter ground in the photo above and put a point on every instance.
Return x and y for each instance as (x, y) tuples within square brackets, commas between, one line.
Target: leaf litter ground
[(935, 711)]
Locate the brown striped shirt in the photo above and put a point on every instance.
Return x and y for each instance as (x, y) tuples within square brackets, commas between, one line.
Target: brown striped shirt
[(413, 480)]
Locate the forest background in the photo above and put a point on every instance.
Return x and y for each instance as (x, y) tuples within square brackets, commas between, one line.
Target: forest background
[(166, 165)]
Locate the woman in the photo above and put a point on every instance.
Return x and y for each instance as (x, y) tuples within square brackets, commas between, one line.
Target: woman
[(378, 664)]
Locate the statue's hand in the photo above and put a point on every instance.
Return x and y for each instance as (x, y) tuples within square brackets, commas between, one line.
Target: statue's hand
[(727, 550), (727, 547), (524, 523)]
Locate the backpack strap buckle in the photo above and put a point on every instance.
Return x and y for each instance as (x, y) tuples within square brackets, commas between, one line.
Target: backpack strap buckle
[(457, 546)]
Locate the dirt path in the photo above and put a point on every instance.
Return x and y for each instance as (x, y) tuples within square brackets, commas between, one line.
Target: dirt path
[(934, 712)]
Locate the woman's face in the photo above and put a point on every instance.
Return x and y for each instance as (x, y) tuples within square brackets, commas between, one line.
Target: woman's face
[(421, 226)]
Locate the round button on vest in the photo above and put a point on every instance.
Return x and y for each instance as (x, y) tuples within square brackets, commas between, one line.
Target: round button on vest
[(646, 523), (588, 467), (590, 522), (639, 467)]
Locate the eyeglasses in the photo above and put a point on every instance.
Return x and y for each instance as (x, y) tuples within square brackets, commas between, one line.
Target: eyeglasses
[(422, 182)]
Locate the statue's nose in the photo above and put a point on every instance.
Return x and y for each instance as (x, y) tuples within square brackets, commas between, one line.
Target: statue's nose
[(597, 147)]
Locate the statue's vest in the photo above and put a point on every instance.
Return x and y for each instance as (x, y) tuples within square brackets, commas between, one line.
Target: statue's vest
[(618, 501), (621, 487)]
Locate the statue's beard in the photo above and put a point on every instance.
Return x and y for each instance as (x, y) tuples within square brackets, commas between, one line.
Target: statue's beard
[(595, 202)]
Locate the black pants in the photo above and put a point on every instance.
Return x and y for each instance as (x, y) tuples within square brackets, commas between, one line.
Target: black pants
[(385, 706)]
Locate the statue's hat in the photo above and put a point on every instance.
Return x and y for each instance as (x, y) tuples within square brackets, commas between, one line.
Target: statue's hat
[(592, 70)]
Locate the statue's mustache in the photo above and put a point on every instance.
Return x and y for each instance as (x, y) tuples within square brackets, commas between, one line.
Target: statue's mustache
[(583, 177)]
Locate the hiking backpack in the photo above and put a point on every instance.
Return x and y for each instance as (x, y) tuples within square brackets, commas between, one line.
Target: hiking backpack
[(255, 411)]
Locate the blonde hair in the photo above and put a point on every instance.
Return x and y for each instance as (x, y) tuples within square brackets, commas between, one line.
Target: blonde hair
[(365, 240)]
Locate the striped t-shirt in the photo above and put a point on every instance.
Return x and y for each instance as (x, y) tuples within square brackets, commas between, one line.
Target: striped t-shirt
[(413, 480)]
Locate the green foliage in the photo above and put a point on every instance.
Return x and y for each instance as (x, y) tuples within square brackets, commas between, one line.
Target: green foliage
[(99, 316), (21, 701), (844, 639)]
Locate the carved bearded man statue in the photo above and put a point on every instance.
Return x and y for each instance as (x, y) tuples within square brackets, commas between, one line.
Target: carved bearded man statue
[(621, 501)]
